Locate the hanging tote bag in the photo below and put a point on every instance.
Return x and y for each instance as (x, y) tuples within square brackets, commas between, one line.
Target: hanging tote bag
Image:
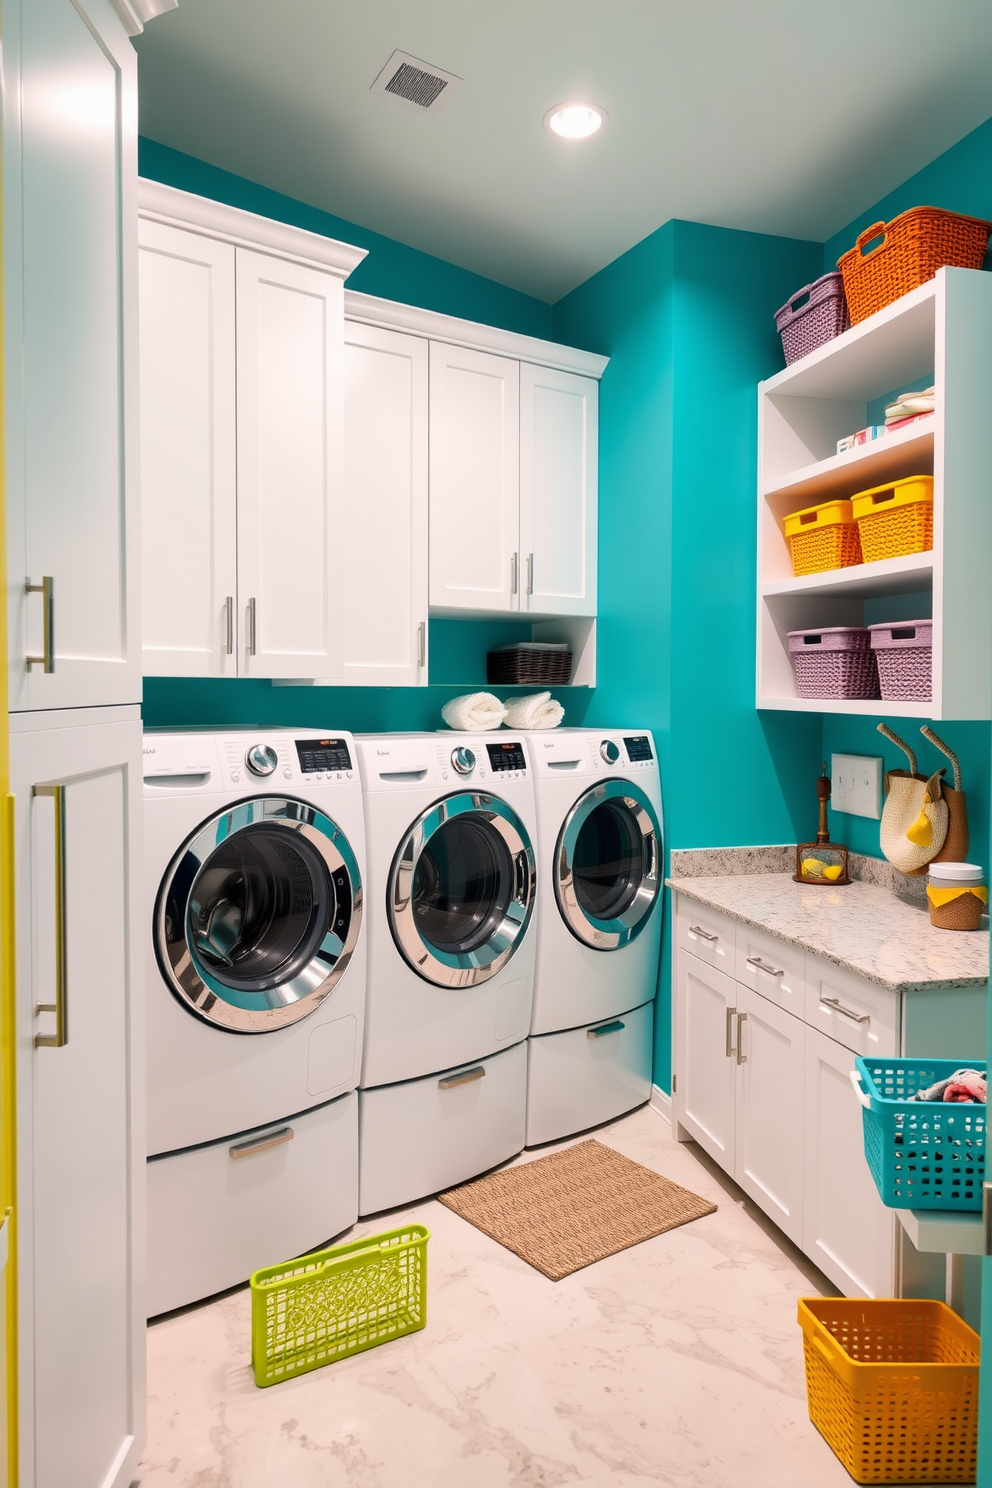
[(914, 820)]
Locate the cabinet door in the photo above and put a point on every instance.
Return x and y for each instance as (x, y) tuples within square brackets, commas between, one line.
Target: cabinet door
[(769, 1147), (475, 480), (70, 253), (290, 331), (847, 1230), (80, 1174), (188, 471), (385, 508), (559, 453), (706, 1065)]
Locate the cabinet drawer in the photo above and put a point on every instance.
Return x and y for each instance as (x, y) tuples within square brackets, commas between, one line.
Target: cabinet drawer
[(858, 1014), (585, 1076), (707, 933), (772, 967)]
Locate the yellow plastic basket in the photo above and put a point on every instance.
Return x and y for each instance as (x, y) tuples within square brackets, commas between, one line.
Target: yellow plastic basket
[(896, 519), (892, 1387), (823, 537), (337, 1302)]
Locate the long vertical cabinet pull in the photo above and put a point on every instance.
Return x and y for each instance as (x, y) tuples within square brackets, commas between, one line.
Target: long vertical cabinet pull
[(729, 1033), (530, 574), (741, 1020), (59, 1007), (422, 644), (515, 573), (251, 626), (229, 625), (47, 589)]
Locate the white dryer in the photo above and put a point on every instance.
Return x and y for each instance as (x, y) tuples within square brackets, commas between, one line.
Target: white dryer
[(450, 826), (600, 857), (255, 997)]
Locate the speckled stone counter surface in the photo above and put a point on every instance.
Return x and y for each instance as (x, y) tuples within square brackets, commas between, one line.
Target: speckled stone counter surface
[(863, 927)]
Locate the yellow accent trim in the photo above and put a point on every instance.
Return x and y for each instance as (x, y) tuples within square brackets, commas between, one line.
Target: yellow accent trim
[(946, 896)]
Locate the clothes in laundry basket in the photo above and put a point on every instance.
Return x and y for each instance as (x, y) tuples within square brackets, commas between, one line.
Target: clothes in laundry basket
[(965, 1085)]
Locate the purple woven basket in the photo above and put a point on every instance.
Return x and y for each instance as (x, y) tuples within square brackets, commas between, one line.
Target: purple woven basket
[(905, 659), (816, 314), (834, 663)]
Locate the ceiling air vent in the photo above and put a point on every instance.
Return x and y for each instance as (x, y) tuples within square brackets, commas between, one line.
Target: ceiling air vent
[(415, 84)]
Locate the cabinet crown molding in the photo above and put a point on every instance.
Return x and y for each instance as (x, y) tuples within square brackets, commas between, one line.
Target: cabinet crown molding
[(213, 219), (394, 316)]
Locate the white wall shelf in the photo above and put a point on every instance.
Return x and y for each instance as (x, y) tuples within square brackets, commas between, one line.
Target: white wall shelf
[(941, 333)]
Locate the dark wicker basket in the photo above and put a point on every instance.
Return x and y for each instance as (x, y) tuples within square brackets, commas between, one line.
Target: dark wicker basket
[(533, 663)]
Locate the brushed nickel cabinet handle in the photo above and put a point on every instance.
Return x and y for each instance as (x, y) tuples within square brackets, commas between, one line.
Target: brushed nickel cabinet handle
[(703, 934), (729, 1033), (741, 1020), (47, 590), (514, 574), (465, 1078), (617, 1026), (765, 966), (260, 1144), (422, 644), (229, 624), (251, 626), (838, 1007), (60, 1007), (530, 573)]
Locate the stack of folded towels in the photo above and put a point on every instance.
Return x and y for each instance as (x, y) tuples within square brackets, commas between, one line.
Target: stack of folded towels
[(965, 1085), (909, 408), (478, 712)]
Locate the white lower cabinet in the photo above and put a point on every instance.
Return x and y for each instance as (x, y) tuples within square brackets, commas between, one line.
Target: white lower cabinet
[(707, 1076), (768, 1160), (847, 1230)]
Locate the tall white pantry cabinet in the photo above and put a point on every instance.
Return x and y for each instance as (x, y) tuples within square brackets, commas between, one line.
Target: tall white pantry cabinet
[(74, 676)]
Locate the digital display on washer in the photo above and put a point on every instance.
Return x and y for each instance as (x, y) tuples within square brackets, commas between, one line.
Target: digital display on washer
[(323, 754), (638, 748), (506, 757)]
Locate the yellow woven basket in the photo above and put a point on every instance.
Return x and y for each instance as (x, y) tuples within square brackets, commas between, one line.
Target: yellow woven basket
[(823, 537), (892, 1387), (895, 519)]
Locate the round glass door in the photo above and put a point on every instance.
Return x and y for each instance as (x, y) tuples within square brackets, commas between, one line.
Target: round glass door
[(461, 890), (258, 915), (607, 865)]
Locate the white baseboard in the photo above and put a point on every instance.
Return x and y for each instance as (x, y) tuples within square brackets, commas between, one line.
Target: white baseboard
[(661, 1102)]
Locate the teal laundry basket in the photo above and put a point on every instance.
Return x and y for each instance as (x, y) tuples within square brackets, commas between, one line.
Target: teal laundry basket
[(922, 1154)]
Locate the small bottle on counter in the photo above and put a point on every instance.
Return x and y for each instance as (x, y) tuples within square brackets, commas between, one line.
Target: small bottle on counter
[(957, 895)]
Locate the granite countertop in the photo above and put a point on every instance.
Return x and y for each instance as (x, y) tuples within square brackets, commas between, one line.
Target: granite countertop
[(863, 927)]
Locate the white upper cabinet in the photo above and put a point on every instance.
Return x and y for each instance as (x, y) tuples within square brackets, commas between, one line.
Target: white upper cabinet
[(188, 453), (474, 480), (384, 518), (290, 358), (558, 490), (69, 285)]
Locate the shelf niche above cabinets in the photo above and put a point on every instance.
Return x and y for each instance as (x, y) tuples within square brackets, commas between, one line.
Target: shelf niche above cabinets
[(941, 333)]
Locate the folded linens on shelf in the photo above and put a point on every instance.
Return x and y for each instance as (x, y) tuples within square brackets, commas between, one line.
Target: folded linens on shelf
[(538, 711), (474, 713)]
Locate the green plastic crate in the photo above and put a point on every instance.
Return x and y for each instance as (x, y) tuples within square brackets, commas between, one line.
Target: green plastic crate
[(337, 1302)]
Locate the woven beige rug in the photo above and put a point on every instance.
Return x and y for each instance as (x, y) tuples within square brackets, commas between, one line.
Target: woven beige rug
[(574, 1207)]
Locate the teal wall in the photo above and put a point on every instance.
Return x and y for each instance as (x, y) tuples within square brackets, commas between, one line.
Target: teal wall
[(685, 318)]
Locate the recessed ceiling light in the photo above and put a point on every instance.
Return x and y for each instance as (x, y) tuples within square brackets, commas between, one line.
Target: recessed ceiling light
[(575, 120)]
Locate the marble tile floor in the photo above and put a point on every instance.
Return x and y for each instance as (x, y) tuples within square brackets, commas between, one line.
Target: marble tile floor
[(677, 1362)]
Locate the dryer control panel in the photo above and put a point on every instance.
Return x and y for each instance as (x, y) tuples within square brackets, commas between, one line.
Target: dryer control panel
[(323, 756), (507, 758)]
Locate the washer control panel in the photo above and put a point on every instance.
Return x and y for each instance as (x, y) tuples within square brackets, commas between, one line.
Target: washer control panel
[(507, 759), (325, 757), (463, 760), (278, 758), (639, 749), (261, 759), (609, 751)]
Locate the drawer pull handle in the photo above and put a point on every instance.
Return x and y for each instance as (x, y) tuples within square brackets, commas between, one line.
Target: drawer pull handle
[(765, 966), (859, 1090), (703, 934), (259, 1144), (729, 1045), (615, 1027), (60, 1007), (465, 1078), (47, 591), (741, 1020), (838, 1007)]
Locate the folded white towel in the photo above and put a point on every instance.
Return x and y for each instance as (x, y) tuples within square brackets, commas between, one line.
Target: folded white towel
[(539, 711), (474, 713)]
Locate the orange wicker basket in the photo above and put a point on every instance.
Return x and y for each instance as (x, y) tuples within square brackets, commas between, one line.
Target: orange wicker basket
[(913, 247)]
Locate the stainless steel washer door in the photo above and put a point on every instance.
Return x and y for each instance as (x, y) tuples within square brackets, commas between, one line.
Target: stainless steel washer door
[(461, 889), (259, 914), (607, 865)]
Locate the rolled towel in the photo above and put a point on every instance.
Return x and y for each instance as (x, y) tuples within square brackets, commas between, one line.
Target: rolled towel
[(539, 711), (474, 713)]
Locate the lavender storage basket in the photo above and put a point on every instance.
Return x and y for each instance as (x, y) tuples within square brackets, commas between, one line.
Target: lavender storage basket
[(834, 663), (817, 313), (905, 657)]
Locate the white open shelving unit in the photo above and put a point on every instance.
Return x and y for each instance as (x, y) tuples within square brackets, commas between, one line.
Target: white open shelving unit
[(941, 332)]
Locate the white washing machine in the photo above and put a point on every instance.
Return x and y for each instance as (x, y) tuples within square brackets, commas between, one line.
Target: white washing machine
[(599, 853), (450, 827), (255, 1000)]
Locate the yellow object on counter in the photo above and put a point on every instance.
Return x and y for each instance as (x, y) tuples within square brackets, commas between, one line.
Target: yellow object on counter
[(816, 868), (947, 896)]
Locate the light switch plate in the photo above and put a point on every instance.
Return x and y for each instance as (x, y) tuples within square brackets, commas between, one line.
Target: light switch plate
[(856, 784)]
